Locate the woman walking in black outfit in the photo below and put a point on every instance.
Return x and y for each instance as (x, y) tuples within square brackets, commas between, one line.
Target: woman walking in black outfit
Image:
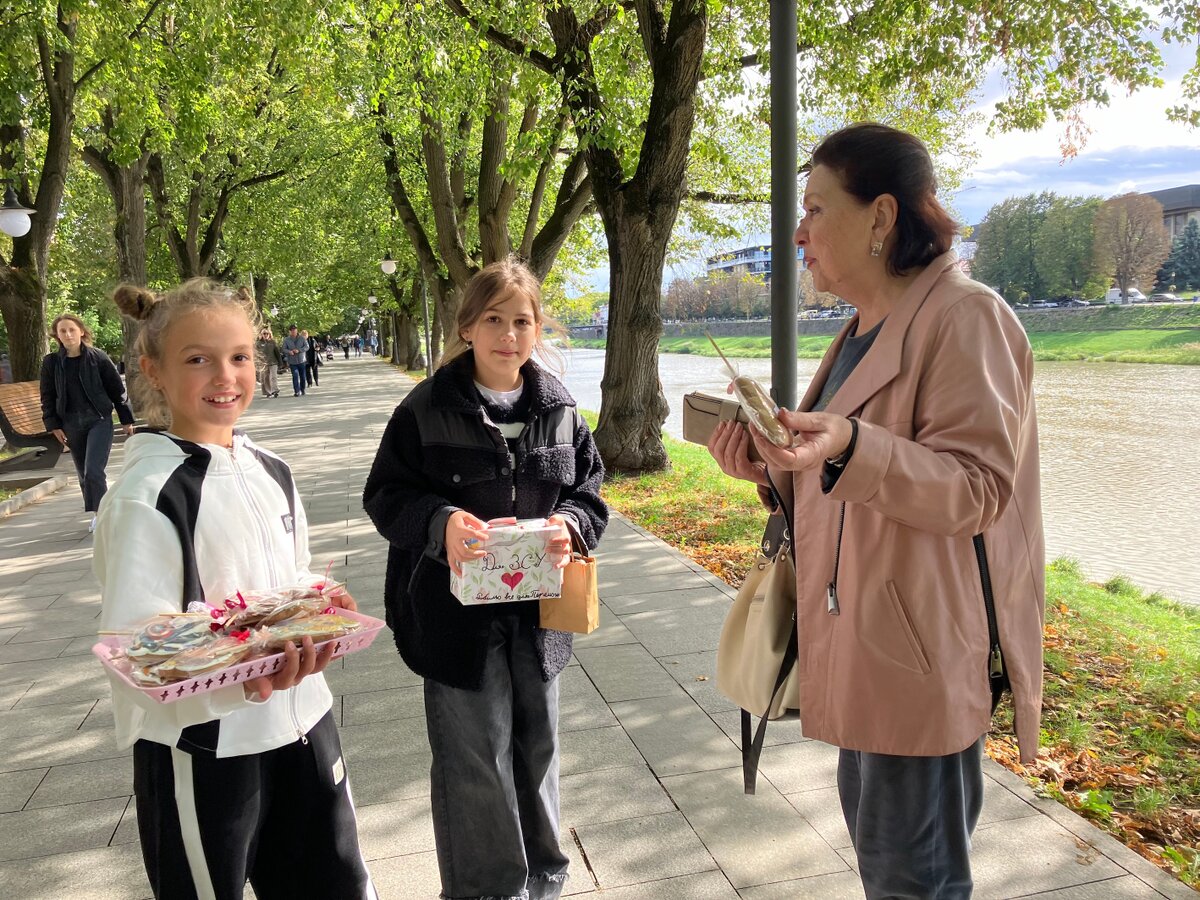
[(311, 362), (80, 388)]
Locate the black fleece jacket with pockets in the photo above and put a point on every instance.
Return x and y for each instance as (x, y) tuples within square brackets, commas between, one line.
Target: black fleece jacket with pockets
[(440, 453)]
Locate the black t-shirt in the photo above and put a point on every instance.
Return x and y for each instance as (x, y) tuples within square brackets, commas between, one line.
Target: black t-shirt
[(79, 405), (854, 348)]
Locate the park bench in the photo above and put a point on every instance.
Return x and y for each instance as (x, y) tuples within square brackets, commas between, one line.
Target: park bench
[(21, 423)]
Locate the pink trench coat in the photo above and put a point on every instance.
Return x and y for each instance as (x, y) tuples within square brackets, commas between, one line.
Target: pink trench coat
[(947, 449)]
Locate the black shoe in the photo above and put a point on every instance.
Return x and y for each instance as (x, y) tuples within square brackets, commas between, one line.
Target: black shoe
[(295, 393)]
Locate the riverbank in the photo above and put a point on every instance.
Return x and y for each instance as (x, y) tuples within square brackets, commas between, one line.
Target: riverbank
[(1121, 730), (1159, 334)]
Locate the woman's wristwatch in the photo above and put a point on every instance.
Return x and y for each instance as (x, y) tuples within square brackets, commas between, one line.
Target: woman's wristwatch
[(839, 461)]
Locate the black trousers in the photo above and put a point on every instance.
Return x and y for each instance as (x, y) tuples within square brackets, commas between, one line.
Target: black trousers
[(284, 820), (310, 374), (90, 443), (911, 819)]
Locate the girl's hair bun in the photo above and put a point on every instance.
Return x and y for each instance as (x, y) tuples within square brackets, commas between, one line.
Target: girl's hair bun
[(135, 302)]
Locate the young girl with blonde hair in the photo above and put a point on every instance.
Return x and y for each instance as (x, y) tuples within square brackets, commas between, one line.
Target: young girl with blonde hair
[(243, 783), (492, 435)]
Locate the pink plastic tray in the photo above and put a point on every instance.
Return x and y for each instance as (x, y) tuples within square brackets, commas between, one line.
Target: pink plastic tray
[(108, 648)]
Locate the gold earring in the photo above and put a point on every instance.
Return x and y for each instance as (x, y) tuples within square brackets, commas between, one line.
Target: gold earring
[(876, 247)]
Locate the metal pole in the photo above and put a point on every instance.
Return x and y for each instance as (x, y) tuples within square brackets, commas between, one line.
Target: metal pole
[(784, 282), (425, 310)]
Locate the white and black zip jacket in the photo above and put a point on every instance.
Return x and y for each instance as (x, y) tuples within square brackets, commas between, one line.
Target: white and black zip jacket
[(191, 522)]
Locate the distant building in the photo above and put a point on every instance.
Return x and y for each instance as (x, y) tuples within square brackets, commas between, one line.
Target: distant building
[(1180, 206), (754, 261)]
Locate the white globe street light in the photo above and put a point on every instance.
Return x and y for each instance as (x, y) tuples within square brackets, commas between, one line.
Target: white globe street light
[(274, 311), (372, 299), (14, 218), (387, 264)]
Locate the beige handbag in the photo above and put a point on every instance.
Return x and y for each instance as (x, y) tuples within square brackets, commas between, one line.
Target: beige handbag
[(759, 646), (702, 412)]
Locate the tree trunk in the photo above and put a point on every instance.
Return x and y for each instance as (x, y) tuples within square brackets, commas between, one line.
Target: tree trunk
[(129, 233), (413, 349), (632, 405), (261, 282), (23, 304), (393, 323)]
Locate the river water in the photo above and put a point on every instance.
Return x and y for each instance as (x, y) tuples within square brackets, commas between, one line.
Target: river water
[(1120, 457)]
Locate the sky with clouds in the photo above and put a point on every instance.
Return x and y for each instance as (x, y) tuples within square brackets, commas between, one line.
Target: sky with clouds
[(1132, 147)]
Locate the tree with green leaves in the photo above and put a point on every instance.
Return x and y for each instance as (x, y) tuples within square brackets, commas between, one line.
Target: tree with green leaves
[(1006, 256), (1181, 271), (52, 53), (1131, 241), (1063, 248), (638, 75), (478, 160)]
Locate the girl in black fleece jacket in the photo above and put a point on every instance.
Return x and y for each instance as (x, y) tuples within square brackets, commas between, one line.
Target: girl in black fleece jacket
[(491, 435)]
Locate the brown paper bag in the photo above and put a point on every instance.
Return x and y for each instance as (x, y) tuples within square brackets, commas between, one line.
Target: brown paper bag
[(578, 609)]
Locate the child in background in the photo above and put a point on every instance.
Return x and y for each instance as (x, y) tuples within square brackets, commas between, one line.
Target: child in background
[(491, 435), (246, 782)]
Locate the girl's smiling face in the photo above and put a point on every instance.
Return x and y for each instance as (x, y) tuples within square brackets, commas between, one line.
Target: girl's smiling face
[(503, 338), (206, 372)]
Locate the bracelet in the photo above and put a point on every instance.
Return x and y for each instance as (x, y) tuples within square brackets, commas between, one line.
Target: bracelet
[(839, 461)]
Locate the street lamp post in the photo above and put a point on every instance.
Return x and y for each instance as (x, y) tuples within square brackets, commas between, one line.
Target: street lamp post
[(784, 278)]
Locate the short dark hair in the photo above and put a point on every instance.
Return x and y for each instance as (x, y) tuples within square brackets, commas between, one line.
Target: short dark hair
[(873, 159)]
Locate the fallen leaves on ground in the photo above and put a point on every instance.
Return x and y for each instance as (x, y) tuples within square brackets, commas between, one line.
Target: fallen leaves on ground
[(1101, 782)]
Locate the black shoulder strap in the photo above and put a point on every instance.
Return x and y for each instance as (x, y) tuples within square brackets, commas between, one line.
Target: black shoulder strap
[(752, 748)]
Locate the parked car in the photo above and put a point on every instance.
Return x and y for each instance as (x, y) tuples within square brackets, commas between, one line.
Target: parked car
[(1163, 298), (1133, 295), (1076, 302)]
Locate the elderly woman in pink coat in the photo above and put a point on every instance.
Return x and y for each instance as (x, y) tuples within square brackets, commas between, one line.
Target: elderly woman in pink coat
[(917, 520)]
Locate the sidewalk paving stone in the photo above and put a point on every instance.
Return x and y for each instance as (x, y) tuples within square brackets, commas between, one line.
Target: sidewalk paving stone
[(626, 672), (630, 851), (109, 873), (75, 783), (609, 795), (652, 806), (755, 840), (59, 829), (675, 736), (17, 787)]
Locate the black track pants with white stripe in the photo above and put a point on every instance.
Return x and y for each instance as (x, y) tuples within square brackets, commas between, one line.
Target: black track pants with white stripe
[(284, 820)]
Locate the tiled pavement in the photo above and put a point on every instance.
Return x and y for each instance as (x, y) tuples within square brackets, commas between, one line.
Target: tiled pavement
[(651, 795)]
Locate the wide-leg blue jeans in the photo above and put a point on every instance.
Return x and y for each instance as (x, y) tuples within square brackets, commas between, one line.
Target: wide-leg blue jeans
[(494, 777)]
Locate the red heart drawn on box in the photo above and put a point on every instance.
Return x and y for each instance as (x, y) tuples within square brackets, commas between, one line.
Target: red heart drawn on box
[(512, 579)]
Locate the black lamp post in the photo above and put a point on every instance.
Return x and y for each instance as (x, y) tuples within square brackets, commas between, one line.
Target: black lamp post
[(784, 277)]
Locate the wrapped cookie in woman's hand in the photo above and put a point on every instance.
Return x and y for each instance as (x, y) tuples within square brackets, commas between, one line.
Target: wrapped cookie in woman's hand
[(760, 408)]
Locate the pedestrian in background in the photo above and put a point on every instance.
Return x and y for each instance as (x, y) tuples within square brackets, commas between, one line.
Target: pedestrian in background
[(295, 349), (270, 361), (80, 388), (310, 360)]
